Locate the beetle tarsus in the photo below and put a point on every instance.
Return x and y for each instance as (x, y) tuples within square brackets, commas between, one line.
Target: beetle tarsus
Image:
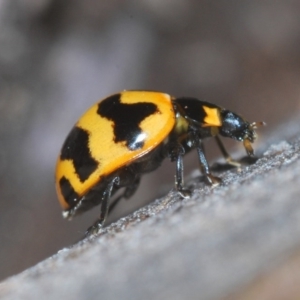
[(226, 155), (185, 193), (94, 229), (213, 180)]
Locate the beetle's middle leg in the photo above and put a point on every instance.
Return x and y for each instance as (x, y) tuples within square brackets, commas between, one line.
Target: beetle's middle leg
[(176, 154)]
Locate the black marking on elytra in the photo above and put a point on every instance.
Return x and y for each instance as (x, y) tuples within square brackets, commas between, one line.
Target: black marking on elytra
[(76, 148), (126, 119), (68, 192), (194, 108)]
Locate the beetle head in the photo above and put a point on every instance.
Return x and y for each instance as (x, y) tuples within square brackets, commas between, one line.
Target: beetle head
[(235, 127)]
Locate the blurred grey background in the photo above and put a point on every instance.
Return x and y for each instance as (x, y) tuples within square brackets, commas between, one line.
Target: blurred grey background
[(58, 57)]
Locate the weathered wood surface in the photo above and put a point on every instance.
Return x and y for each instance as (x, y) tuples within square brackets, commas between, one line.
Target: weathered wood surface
[(240, 240)]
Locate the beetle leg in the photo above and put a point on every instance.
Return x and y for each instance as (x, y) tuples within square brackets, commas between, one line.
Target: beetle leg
[(203, 163), (226, 155), (104, 207), (176, 154), (129, 191), (105, 199)]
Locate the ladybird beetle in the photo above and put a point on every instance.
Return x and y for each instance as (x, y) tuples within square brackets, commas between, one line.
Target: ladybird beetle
[(130, 133)]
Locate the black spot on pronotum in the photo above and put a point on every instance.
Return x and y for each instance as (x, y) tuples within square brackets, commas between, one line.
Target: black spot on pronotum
[(76, 148), (126, 119), (68, 192), (194, 108)]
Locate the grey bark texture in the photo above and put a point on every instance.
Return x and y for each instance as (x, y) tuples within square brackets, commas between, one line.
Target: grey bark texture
[(239, 240)]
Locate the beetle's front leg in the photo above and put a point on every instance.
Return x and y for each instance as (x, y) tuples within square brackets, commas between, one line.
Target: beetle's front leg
[(226, 155)]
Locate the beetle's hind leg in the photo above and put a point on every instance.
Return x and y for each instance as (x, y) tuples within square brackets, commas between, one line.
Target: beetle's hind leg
[(104, 206), (125, 178), (129, 191)]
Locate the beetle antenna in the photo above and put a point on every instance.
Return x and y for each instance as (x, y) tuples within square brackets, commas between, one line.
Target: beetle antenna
[(254, 125)]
